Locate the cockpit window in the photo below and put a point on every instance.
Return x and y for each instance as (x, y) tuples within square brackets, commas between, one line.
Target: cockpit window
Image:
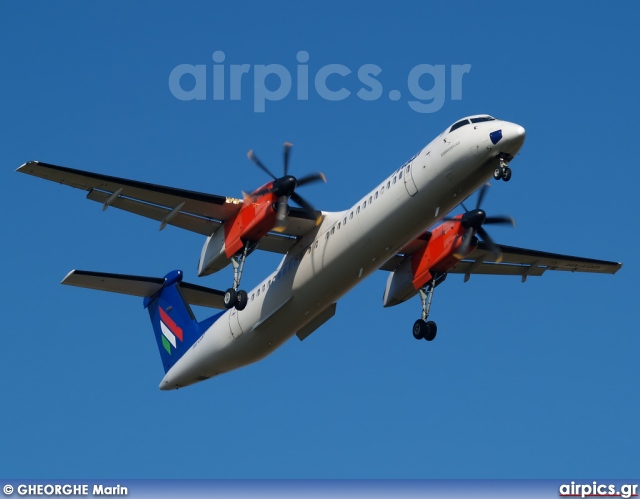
[(480, 119), (459, 124)]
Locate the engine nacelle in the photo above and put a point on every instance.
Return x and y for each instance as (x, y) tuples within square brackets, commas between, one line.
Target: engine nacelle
[(399, 285), (254, 220), (434, 259), (214, 256)]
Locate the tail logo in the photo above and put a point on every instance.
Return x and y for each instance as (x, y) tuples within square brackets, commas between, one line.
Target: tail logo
[(170, 331)]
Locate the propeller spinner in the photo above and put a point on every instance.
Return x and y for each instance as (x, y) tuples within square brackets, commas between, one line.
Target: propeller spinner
[(284, 188), (473, 220)]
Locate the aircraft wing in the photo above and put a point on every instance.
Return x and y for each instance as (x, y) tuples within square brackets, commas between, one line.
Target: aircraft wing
[(526, 262), (520, 262), (190, 210), (143, 286)]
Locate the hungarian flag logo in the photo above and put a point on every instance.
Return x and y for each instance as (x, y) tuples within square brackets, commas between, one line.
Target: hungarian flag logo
[(170, 331)]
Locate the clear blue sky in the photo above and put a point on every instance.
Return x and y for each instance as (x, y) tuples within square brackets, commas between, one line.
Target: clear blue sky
[(524, 381)]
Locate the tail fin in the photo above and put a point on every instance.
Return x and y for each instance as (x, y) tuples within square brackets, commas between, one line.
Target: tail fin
[(176, 328)]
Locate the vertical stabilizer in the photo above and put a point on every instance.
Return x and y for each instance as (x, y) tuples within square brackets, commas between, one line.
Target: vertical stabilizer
[(176, 328)]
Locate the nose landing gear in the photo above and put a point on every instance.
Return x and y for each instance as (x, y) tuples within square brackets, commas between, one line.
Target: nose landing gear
[(503, 171)]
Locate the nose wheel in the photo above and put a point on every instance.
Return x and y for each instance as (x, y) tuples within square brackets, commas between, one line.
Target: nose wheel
[(503, 171)]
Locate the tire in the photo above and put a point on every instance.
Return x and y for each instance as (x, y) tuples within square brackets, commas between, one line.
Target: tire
[(497, 173), (431, 329), (419, 328), (230, 298), (241, 300), (507, 175)]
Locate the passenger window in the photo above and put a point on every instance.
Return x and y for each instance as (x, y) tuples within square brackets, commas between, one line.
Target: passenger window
[(263, 288), (376, 196), (400, 175), (339, 225), (388, 184), (364, 204), (258, 293), (252, 296), (382, 190), (351, 215), (345, 221), (394, 180), (333, 230), (358, 210), (327, 236), (370, 199)]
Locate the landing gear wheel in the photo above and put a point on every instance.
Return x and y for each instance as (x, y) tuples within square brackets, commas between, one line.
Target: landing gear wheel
[(241, 300), (419, 329), (430, 330), (506, 175), (498, 173), (230, 298)]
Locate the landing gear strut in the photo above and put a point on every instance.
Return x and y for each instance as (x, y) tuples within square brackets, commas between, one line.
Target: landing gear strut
[(234, 297), (423, 328), (503, 171)]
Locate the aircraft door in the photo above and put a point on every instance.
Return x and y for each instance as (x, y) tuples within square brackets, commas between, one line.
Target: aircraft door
[(234, 323), (409, 184)]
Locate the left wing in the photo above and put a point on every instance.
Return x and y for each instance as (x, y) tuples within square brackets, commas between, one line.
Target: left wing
[(194, 211), (526, 262), (515, 261)]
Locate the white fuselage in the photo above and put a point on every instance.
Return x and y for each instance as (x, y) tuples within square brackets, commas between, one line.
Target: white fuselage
[(348, 246)]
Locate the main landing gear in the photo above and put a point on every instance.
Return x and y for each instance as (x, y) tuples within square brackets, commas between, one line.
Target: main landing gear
[(233, 296), (423, 328), (503, 171)]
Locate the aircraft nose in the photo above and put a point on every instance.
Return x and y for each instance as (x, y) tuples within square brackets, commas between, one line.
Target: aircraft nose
[(514, 135)]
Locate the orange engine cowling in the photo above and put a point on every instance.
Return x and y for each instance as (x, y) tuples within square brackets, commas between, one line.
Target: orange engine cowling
[(435, 257), (254, 220)]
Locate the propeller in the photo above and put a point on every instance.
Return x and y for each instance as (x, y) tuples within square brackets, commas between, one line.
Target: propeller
[(285, 188), (473, 220)]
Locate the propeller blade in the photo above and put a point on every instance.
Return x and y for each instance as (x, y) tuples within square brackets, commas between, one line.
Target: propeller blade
[(495, 251), (251, 155), (481, 195), (282, 214), (501, 220), (297, 198), (287, 151), (313, 177), (462, 251)]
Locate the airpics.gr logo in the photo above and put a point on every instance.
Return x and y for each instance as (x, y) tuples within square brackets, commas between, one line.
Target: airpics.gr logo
[(170, 330)]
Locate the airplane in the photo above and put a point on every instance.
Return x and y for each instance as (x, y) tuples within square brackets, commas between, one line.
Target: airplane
[(326, 254)]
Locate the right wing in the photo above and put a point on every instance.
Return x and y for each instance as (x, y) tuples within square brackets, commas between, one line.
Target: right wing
[(190, 210)]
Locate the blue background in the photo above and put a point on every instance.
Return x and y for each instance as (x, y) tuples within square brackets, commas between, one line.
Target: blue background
[(524, 381)]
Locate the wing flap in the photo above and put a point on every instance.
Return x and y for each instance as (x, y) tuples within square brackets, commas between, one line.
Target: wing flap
[(142, 286), (204, 226)]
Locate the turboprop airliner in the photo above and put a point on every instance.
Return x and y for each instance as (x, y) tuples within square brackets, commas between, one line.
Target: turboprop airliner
[(401, 226)]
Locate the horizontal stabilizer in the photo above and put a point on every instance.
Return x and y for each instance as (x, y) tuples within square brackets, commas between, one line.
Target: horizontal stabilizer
[(143, 286)]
